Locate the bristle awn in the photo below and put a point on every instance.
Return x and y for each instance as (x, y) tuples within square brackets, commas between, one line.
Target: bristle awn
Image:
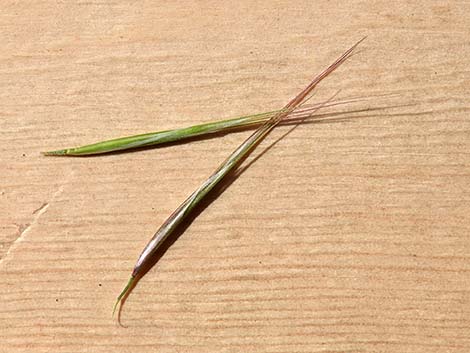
[(167, 136), (145, 260)]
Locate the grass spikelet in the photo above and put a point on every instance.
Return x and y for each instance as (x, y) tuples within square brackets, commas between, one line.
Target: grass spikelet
[(168, 227)]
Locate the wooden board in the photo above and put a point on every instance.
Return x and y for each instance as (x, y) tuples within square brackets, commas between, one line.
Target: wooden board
[(346, 236)]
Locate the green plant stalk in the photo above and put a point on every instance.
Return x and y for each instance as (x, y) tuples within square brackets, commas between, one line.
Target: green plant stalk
[(160, 137), (169, 226), (167, 136)]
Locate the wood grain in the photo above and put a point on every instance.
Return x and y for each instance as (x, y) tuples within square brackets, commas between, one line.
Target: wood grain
[(347, 236)]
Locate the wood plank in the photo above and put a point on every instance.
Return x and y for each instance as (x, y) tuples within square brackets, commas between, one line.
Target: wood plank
[(347, 236)]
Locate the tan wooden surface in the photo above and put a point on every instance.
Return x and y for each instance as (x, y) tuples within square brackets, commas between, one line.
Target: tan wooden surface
[(352, 236)]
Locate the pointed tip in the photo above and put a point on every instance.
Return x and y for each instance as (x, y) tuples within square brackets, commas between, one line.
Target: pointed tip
[(124, 292), (55, 153), (359, 41), (115, 307), (356, 44)]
